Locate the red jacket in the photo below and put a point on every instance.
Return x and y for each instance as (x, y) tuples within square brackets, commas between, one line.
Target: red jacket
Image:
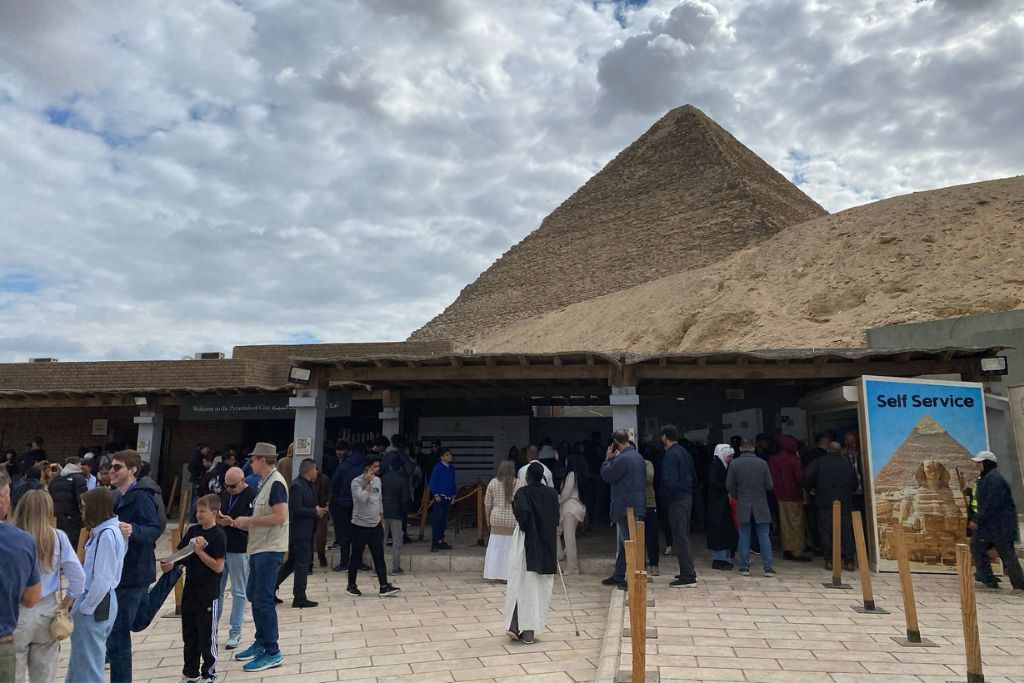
[(787, 472)]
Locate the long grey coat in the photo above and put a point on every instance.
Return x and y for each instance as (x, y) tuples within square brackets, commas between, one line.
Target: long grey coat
[(749, 482)]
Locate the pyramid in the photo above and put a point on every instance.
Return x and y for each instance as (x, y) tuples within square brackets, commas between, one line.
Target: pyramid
[(928, 440), (685, 194)]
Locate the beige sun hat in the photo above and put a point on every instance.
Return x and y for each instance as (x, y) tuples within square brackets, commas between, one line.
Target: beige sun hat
[(264, 450)]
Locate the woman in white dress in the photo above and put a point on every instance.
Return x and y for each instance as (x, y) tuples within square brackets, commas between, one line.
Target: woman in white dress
[(498, 513), (571, 513)]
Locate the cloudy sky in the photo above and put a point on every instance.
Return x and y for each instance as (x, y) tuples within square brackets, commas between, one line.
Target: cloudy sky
[(191, 175)]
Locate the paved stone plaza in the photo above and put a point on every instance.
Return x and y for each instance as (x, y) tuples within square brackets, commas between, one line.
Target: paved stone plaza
[(446, 625), (792, 629)]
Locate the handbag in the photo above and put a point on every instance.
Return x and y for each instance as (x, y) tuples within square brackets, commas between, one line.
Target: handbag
[(61, 625)]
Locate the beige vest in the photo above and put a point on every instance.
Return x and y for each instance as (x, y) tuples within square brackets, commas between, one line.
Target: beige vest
[(267, 539)]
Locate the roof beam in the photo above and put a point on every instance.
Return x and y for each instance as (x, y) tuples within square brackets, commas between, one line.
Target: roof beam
[(806, 370), (467, 373)]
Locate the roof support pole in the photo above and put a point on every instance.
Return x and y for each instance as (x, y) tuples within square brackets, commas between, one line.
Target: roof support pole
[(391, 415), (624, 402), (150, 439), (310, 412)]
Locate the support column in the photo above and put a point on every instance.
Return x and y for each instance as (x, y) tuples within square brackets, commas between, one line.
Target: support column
[(391, 415), (150, 439), (310, 411), (624, 402)]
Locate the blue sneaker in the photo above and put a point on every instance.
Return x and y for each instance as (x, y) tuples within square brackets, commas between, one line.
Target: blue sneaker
[(251, 652), (265, 661)]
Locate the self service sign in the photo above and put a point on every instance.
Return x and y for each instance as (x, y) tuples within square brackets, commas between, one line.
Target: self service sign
[(920, 436)]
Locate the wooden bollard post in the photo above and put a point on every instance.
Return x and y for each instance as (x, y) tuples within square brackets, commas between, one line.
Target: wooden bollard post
[(837, 547), (913, 638), (638, 625), (641, 561), (173, 492), (479, 514), (869, 606), (179, 586), (969, 614)]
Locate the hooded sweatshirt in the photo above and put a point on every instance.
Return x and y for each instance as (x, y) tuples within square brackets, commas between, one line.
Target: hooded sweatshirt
[(138, 506)]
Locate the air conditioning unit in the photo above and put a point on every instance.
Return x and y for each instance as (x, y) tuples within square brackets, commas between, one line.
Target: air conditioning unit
[(42, 360), (210, 355)]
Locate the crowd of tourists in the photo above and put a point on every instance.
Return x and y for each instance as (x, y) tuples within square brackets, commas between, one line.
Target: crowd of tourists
[(254, 526)]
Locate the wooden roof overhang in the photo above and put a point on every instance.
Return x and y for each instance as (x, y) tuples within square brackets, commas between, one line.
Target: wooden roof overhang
[(593, 373)]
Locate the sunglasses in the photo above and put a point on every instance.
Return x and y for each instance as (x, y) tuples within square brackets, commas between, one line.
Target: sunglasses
[(232, 486), (117, 468)]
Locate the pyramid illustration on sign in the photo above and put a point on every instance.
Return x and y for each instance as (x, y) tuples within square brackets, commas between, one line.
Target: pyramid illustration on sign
[(918, 490), (928, 440)]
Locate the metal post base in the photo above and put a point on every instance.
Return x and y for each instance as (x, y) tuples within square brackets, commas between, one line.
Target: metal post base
[(839, 586), (869, 609), (905, 642)]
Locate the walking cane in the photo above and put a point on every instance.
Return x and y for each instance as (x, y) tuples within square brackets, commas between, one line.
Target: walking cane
[(566, 591)]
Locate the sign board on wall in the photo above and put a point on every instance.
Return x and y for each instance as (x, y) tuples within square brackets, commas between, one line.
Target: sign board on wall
[(918, 435), (99, 427), (255, 407), (478, 444)]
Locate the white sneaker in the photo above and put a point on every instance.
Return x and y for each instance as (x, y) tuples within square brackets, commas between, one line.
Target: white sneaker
[(668, 550)]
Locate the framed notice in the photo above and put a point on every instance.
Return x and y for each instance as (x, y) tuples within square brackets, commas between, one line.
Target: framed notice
[(920, 436), (99, 427), (303, 446)]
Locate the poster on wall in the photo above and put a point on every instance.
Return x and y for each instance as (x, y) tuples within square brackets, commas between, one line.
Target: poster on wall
[(920, 436)]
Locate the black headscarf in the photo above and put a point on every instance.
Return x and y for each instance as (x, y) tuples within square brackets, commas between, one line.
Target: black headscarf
[(536, 509)]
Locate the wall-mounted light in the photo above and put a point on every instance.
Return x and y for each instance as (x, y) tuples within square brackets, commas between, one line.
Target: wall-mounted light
[(299, 375), (994, 366), (140, 400)]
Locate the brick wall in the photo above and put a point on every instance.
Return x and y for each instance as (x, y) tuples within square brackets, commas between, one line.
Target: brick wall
[(64, 429)]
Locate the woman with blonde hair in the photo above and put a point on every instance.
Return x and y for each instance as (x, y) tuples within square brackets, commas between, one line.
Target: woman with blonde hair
[(35, 650), (500, 519), (95, 608)]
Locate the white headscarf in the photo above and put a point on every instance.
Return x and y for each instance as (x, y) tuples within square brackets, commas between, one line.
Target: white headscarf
[(722, 451)]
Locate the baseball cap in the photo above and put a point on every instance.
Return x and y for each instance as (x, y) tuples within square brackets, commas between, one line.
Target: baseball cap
[(984, 455)]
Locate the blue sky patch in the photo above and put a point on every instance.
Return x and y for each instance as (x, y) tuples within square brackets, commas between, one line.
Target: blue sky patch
[(19, 283)]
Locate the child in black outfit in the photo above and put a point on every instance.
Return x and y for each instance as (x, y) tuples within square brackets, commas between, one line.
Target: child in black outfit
[(199, 608)]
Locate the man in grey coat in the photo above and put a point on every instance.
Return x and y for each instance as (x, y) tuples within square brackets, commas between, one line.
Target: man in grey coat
[(749, 482), (624, 469)]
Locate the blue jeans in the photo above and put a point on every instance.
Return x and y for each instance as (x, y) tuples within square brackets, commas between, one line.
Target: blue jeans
[(119, 643), (762, 538), (622, 535), (260, 589), (438, 521), (88, 644), (236, 565), (720, 555)]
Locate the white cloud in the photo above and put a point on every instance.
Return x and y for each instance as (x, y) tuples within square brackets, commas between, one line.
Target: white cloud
[(193, 175)]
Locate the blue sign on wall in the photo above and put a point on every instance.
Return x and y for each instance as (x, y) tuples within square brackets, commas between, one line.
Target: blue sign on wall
[(920, 437)]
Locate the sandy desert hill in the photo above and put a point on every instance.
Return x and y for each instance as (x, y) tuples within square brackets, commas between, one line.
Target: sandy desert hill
[(684, 194), (923, 256)]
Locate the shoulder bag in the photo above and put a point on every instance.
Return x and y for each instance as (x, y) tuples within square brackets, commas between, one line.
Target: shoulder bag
[(61, 625)]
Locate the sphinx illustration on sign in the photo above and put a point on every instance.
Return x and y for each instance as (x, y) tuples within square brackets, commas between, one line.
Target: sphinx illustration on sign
[(917, 489)]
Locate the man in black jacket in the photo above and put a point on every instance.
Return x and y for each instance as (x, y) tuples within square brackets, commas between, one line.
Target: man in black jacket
[(67, 489), (236, 501), (395, 492), (33, 456), (678, 479), (303, 514), (831, 477)]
